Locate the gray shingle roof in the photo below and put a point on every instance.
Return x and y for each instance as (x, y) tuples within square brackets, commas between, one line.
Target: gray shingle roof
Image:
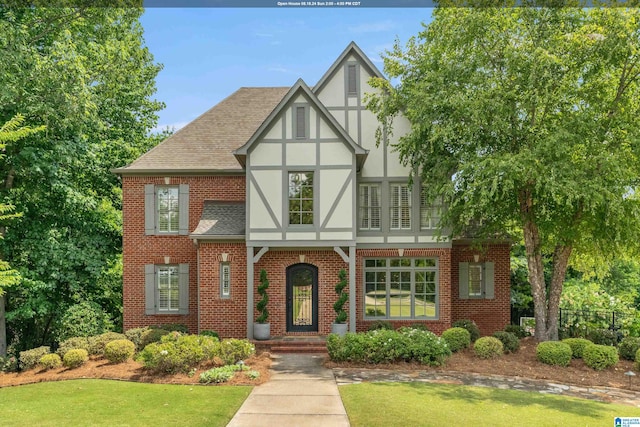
[(221, 220), (207, 143)]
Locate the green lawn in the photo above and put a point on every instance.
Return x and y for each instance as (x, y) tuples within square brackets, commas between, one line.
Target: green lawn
[(423, 404), (103, 402)]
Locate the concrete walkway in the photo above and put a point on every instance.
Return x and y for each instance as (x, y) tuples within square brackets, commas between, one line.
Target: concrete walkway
[(301, 392)]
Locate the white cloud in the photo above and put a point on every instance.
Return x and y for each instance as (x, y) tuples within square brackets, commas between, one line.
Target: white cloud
[(373, 27)]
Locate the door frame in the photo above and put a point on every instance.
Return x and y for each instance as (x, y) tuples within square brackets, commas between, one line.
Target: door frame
[(314, 295)]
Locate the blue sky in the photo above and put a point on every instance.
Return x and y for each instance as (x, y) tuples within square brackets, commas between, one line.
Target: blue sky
[(208, 53)]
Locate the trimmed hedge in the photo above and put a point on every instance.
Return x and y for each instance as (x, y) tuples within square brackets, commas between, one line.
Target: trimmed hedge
[(75, 358), (72, 343), (577, 346), (50, 361), (554, 353), (99, 342), (628, 348), (517, 330), (119, 351), (30, 358), (488, 347), (600, 357), (470, 326), (509, 341), (151, 336), (135, 336), (457, 338)]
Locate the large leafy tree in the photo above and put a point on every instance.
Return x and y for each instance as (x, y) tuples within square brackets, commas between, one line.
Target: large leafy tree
[(526, 119), (86, 75)]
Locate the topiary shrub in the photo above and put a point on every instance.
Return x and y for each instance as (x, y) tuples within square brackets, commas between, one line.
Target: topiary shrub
[(119, 351), (629, 347), (517, 330), (71, 343), (510, 341), (99, 342), (554, 353), (600, 357), (30, 358), (150, 336), (577, 346), (470, 326), (83, 320), (75, 358), (457, 338), (343, 296), (210, 334), (135, 336), (488, 347), (261, 306), (380, 324), (50, 361)]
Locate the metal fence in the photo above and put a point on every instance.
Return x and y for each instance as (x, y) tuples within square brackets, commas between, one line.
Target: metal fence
[(584, 323)]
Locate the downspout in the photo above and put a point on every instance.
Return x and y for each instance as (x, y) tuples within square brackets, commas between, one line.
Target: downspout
[(195, 242)]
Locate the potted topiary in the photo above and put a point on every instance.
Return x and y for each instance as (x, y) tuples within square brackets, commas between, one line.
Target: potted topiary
[(340, 325), (262, 329)]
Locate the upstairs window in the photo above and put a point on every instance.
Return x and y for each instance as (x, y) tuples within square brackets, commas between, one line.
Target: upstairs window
[(400, 205), (369, 207), (168, 209), (429, 213), (301, 198)]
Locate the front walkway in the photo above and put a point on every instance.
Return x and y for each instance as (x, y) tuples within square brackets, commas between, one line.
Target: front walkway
[(301, 392)]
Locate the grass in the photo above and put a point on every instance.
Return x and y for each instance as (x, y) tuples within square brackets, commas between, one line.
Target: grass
[(103, 402), (423, 404)]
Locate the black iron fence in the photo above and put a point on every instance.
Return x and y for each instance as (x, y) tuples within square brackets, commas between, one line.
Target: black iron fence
[(598, 325)]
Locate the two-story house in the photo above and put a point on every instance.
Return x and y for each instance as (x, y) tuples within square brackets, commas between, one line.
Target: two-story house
[(290, 180)]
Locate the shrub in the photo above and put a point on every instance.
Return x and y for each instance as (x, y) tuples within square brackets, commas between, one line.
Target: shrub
[(510, 341), (83, 320), (8, 364), (150, 336), (457, 338), (72, 343), (50, 361), (600, 357), (637, 364), (210, 334), (470, 326), (119, 351), (517, 330), (178, 353), (343, 296), (221, 374), (604, 337), (629, 347), (488, 347), (554, 353), (419, 326), (233, 350), (75, 358), (135, 336), (577, 346), (98, 343), (172, 327), (30, 358), (380, 324)]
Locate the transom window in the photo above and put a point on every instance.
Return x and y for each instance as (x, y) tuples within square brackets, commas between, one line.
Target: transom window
[(401, 288), (168, 288), (369, 207), (301, 198), (400, 205), (429, 213), (168, 209)]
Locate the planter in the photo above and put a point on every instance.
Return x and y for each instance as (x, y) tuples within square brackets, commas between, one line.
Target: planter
[(339, 328), (261, 331)]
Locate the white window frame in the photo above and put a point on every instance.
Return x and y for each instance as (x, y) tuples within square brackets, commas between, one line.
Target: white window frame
[(301, 199), (476, 280), (172, 201), (225, 280), (172, 286), (367, 209), (400, 212)]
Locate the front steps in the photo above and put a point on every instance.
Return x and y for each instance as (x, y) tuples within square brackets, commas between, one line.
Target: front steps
[(293, 344)]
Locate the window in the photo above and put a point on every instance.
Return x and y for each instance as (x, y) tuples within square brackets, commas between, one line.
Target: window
[(300, 122), (352, 79), (429, 214), (225, 280), (400, 207), (369, 207), (166, 209), (301, 198), (476, 280), (401, 288), (167, 289)]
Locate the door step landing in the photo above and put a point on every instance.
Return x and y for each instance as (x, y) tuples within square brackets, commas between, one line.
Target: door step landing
[(293, 344)]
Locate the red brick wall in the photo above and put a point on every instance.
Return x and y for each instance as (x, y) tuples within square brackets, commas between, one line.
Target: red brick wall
[(139, 249), (489, 314)]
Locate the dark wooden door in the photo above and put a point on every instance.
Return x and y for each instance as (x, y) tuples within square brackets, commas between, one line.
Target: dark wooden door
[(302, 298)]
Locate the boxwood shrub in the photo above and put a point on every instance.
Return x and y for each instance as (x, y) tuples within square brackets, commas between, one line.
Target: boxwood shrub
[(577, 346), (50, 361), (99, 342), (628, 347), (457, 338), (233, 350), (470, 326), (150, 336), (488, 347), (30, 358), (75, 358), (600, 357), (119, 351), (72, 343), (135, 336), (510, 341), (554, 353), (517, 330)]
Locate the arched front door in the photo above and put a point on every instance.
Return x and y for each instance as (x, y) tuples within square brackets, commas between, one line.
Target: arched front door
[(302, 298)]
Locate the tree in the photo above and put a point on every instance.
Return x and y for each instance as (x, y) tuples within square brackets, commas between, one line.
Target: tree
[(524, 119)]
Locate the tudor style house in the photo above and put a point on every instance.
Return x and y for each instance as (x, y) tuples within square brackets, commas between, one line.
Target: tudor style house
[(290, 180)]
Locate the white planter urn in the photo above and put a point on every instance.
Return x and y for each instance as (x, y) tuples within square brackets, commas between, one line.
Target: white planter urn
[(339, 328), (261, 331)]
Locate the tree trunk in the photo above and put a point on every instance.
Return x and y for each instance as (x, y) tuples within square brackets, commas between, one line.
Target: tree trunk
[(561, 256), (3, 329)]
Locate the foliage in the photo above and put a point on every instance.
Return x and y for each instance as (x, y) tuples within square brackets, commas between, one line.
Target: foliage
[(172, 327), (577, 346), (560, 89), (600, 357), (75, 358), (72, 343), (488, 347), (510, 341), (98, 343), (517, 330), (221, 374), (253, 375), (135, 336), (554, 353), (233, 350), (470, 326), (604, 337), (30, 358), (84, 319), (210, 334), (8, 364), (178, 353), (263, 315), (380, 324), (637, 360), (150, 336), (387, 346), (50, 361), (341, 315), (119, 351), (457, 338), (629, 347)]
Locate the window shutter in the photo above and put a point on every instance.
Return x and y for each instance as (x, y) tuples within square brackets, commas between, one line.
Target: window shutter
[(463, 280), (300, 123), (183, 270), (489, 292), (150, 289), (149, 209), (183, 209), (351, 80)]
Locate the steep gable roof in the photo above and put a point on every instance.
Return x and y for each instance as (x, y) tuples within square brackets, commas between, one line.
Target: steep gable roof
[(207, 143)]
